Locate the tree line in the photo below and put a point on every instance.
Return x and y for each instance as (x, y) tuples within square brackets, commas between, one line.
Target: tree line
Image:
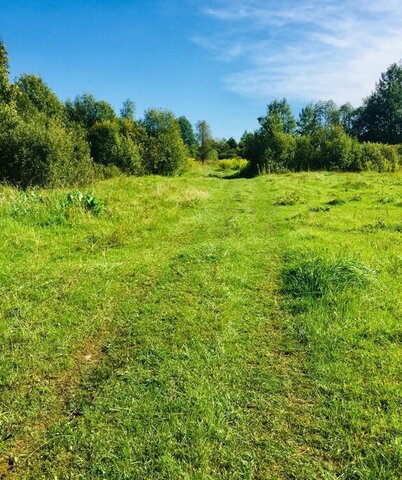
[(47, 142)]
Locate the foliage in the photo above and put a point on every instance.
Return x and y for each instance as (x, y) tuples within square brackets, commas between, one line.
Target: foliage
[(88, 201), (165, 152), (87, 111), (128, 110), (38, 152), (206, 150), (380, 117), (4, 73), (109, 147), (188, 135), (33, 96), (279, 114)]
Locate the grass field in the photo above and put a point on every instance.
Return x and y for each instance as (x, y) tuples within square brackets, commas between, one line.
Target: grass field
[(203, 328)]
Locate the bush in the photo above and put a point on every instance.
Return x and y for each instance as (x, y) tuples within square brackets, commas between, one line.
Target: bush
[(109, 147), (42, 151)]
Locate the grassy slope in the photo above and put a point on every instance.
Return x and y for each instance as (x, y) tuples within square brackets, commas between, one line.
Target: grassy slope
[(155, 341)]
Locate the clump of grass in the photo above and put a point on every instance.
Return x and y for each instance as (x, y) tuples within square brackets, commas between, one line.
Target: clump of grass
[(316, 277), (287, 200), (320, 208), (386, 200)]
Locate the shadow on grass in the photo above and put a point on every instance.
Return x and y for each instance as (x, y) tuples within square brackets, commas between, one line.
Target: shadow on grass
[(231, 176)]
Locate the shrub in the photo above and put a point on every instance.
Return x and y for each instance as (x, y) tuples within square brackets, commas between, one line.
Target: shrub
[(109, 147), (42, 151)]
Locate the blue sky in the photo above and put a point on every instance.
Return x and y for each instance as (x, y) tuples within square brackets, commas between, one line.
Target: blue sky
[(219, 60)]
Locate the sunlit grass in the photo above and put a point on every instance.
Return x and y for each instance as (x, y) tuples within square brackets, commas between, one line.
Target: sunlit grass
[(201, 327)]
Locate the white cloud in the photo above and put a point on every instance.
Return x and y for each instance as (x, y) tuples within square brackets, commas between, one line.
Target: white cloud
[(306, 49)]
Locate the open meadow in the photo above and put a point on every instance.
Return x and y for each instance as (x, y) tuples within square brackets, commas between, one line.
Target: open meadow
[(203, 327)]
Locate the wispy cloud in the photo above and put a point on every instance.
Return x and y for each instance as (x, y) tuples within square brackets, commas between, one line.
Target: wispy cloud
[(306, 49)]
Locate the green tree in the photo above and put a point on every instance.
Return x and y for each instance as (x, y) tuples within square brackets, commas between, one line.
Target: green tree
[(33, 95), (164, 152), (86, 110), (205, 141), (380, 117), (280, 113), (4, 74), (188, 135), (127, 110), (308, 121)]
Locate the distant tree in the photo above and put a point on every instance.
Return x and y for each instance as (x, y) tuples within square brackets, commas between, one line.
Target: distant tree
[(227, 148), (127, 110), (33, 95), (4, 74), (380, 117), (205, 141), (308, 121), (327, 113), (86, 110), (347, 117), (280, 113), (164, 152), (188, 135)]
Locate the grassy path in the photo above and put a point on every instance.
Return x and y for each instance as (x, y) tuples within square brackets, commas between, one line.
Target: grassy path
[(158, 345)]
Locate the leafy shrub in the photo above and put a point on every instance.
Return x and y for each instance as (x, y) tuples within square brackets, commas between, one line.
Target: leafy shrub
[(378, 157), (109, 147), (316, 277), (42, 151), (88, 201)]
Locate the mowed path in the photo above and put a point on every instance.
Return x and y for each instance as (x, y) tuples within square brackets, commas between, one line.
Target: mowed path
[(148, 342)]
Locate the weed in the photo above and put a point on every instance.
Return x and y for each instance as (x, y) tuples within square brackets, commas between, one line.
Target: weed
[(88, 201), (287, 200)]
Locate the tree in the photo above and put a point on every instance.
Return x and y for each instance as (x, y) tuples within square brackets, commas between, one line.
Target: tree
[(205, 141), (127, 110), (164, 152), (226, 148), (280, 113), (308, 121), (33, 95), (188, 135), (4, 73), (380, 117), (86, 110)]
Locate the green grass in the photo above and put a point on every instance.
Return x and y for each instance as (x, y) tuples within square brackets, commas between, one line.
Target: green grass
[(203, 328)]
